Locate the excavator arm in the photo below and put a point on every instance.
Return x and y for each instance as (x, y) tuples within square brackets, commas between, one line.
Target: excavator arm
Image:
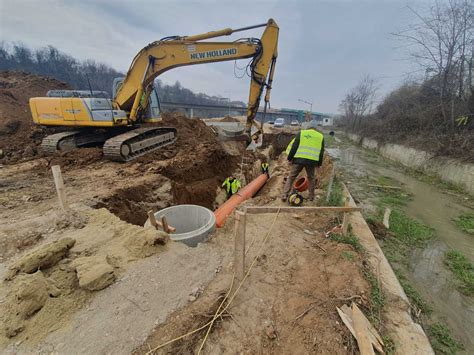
[(171, 52)]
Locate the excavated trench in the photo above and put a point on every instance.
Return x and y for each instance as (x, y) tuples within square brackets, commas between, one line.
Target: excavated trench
[(194, 180)]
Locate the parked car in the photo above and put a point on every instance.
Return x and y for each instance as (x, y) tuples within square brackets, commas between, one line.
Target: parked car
[(271, 122), (295, 123), (279, 122)]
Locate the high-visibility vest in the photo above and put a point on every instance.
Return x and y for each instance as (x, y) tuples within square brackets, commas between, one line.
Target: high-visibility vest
[(231, 186), (311, 142)]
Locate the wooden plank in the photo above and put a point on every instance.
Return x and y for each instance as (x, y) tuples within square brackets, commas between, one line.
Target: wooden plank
[(164, 224), (370, 327), (286, 209), (345, 313), (157, 224), (361, 332), (386, 217), (385, 187), (347, 320), (239, 246), (170, 228), (151, 217), (59, 183)]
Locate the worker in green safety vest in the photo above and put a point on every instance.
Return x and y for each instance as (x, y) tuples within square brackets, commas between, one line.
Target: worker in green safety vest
[(306, 151), (231, 186)]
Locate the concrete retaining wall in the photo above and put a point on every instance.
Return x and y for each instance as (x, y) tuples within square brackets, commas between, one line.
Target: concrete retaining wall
[(408, 336), (449, 170)]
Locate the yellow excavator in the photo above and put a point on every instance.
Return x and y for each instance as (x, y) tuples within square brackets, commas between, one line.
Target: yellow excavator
[(121, 123)]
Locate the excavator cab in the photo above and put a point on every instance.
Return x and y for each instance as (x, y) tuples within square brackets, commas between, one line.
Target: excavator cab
[(153, 112)]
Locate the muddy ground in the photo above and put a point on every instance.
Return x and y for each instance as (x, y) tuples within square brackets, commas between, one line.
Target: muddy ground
[(160, 291)]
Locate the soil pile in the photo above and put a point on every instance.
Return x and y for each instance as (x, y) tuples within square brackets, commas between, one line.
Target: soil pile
[(46, 286), (229, 119), (197, 162), (19, 136)]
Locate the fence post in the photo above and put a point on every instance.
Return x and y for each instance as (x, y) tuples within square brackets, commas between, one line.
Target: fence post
[(59, 183)]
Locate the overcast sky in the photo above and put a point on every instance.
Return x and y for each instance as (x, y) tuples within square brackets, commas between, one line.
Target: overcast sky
[(325, 47)]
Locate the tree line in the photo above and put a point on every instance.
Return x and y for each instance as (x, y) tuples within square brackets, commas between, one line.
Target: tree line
[(49, 61), (437, 108)]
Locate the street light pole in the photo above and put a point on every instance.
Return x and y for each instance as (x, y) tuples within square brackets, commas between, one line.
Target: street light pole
[(310, 106), (309, 103)]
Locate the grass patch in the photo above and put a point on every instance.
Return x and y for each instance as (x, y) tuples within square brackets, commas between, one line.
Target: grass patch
[(336, 198), (347, 255), (377, 298), (389, 347), (407, 234), (329, 141), (462, 269), (465, 221), (418, 304), (442, 341), (347, 239), (389, 197), (409, 231)]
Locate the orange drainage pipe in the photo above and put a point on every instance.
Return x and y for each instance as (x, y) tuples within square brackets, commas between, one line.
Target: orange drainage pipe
[(245, 193)]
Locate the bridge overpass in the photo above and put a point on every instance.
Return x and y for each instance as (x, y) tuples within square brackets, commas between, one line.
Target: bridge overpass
[(210, 111)]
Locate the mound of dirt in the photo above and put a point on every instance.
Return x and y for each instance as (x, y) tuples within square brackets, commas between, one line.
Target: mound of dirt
[(43, 257), (229, 119), (19, 136), (27, 296), (196, 163), (191, 131)]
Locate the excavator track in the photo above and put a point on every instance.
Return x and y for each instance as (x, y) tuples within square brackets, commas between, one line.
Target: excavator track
[(66, 141), (55, 142), (140, 141)]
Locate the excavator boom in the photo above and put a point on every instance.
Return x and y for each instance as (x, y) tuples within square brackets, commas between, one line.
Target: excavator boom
[(161, 56)]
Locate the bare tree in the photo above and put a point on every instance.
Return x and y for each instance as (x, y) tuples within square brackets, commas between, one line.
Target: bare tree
[(441, 42), (359, 101)]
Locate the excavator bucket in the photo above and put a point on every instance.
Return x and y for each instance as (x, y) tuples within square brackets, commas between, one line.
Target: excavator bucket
[(256, 139)]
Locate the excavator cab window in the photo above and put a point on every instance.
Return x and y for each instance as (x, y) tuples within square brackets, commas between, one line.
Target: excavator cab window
[(154, 108)]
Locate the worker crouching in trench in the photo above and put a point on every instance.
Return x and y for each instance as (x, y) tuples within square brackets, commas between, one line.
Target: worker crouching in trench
[(231, 186), (306, 151)]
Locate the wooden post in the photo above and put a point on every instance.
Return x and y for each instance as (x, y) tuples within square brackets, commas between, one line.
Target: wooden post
[(164, 223), (345, 218), (59, 183), (386, 217), (151, 216), (239, 246)]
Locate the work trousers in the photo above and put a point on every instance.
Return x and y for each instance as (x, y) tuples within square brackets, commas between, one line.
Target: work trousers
[(295, 170)]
